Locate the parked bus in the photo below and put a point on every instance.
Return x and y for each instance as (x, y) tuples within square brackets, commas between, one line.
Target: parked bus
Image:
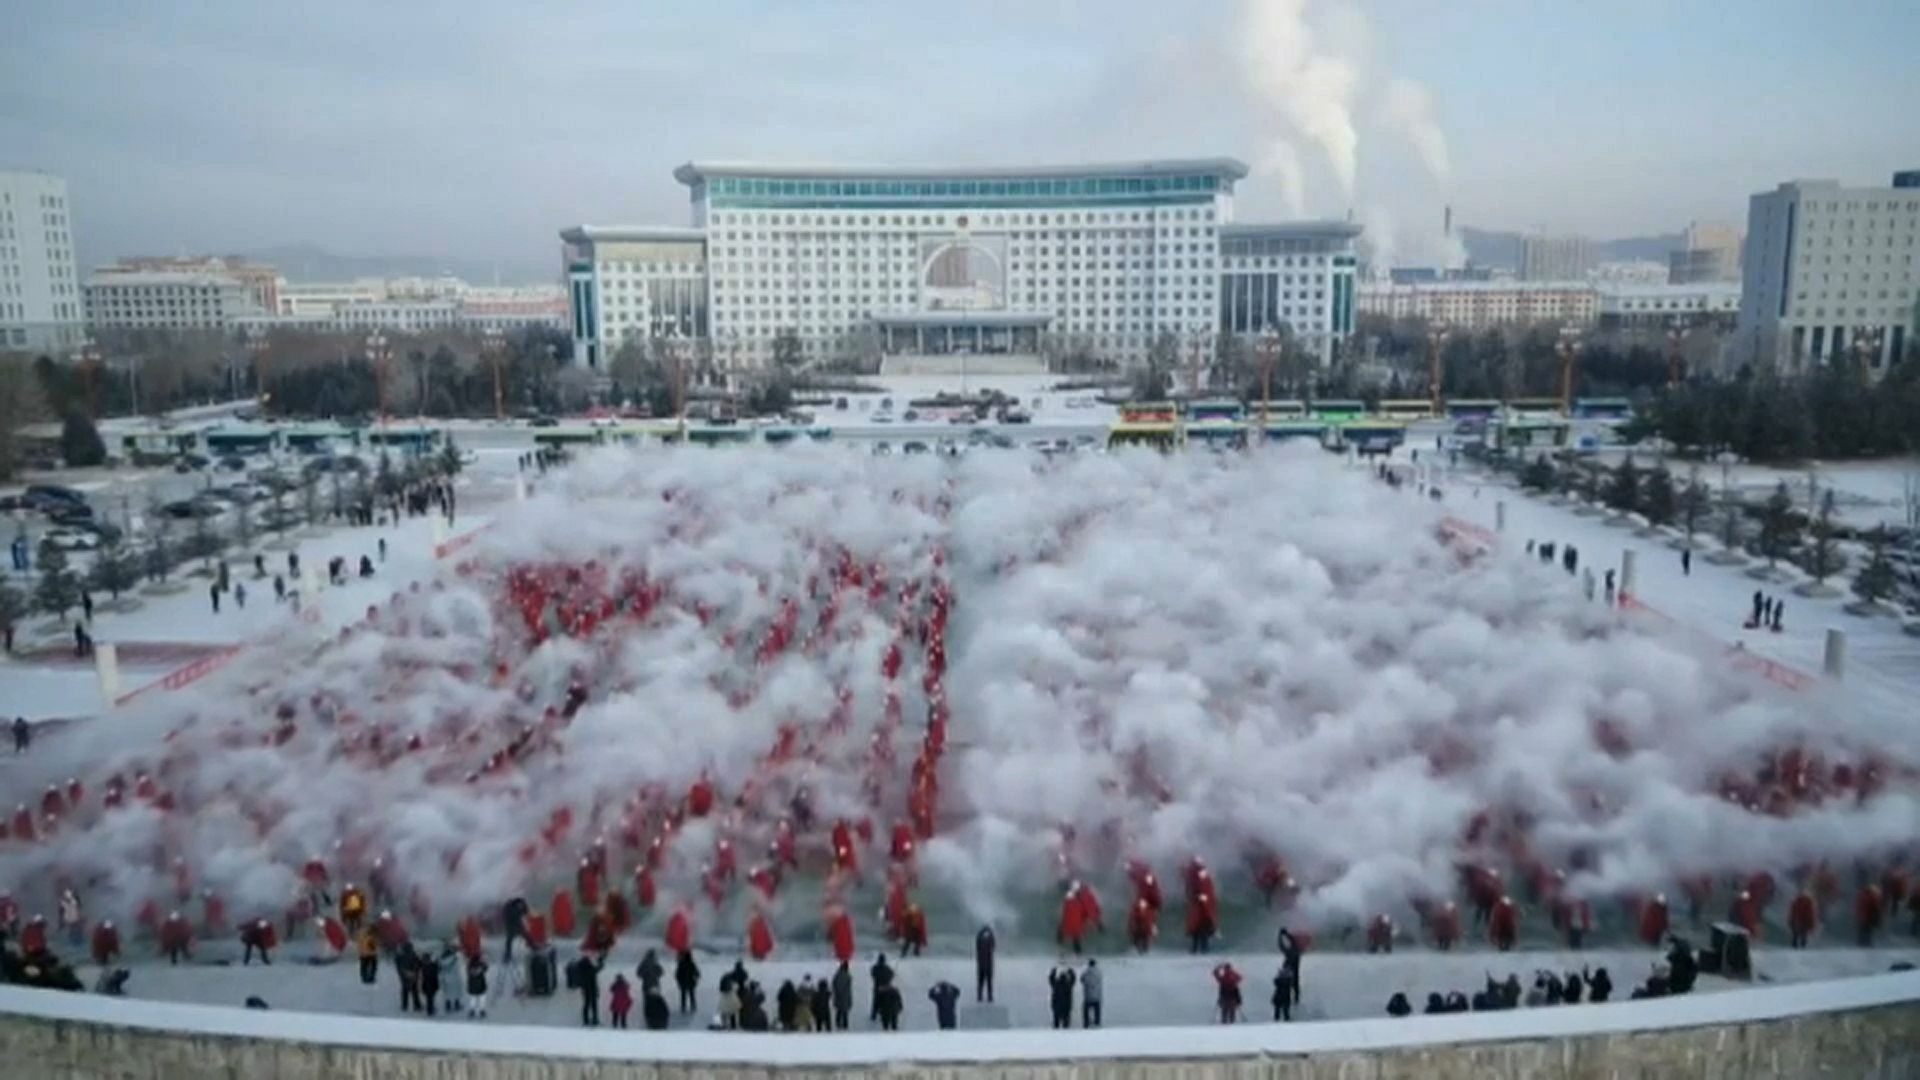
[(1603, 408), (1533, 408), (1506, 435), (719, 436), (1163, 436), (412, 440), (561, 438), (1278, 431), (1217, 435), (1369, 437), (1149, 412), (1288, 409), (1406, 409), (1471, 408), (239, 439), (1338, 409), (146, 448), (1216, 409)]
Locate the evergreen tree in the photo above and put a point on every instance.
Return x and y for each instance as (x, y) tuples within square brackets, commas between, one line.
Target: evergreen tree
[(204, 542), (385, 481), (1776, 524), (449, 457), (1657, 497), (114, 567), (310, 497), (80, 443), (159, 555), (243, 526), (57, 589), (1538, 474), (1623, 489), (1693, 503), (1875, 581), (13, 606), (1823, 559)]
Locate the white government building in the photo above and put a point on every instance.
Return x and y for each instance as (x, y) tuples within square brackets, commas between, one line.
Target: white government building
[(990, 269), (1830, 272), (42, 307)]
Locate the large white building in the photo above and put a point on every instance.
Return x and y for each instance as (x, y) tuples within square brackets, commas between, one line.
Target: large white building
[(1001, 265), (165, 300), (1478, 305), (42, 307), (1830, 272)]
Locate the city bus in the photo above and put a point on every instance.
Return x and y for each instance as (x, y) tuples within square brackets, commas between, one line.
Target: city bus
[(1533, 408), (1162, 436), (1471, 408), (719, 436), (1506, 435), (1338, 409), (1288, 409), (1278, 431), (1603, 408), (1149, 412), (562, 438), (1368, 437), (1218, 409), (319, 438), (148, 448), (412, 440), (1217, 434), (239, 439), (1406, 409)]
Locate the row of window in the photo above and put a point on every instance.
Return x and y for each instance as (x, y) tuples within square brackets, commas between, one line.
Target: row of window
[(1049, 187), (989, 220)]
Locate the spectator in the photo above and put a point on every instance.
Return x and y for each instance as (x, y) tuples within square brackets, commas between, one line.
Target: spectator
[(842, 996), (620, 1000), (1398, 1006), (22, 735), (1092, 984), (1283, 994), (945, 997), (983, 946), (1060, 987)]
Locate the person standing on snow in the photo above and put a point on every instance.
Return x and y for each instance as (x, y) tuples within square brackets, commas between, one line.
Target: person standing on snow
[(619, 997), (686, 976), (1290, 951), (983, 946), (842, 996), (1283, 994), (429, 980), (1092, 993), (882, 976), (650, 973), (1060, 987), (369, 945), (1227, 982), (944, 996), (477, 988), (585, 977)]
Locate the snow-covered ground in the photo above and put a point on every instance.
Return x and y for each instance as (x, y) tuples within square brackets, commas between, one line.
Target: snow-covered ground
[(1155, 990)]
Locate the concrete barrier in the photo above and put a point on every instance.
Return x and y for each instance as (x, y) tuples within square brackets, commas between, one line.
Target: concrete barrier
[(1865, 1027)]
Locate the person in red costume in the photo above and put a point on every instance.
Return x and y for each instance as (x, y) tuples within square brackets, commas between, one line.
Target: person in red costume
[(1142, 925), (1653, 921), (1445, 926), (1868, 908), (1503, 925), (1802, 917)]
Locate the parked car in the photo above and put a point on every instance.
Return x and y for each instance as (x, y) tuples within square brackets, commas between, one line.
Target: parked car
[(910, 415), (915, 447), (543, 421), (51, 493), (840, 403), (187, 463), (67, 513), (234, 463), (70, 539), (188, 509), (12, 503)]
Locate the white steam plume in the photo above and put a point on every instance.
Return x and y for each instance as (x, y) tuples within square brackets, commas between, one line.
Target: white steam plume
[(1300, 82), (1406, 108)]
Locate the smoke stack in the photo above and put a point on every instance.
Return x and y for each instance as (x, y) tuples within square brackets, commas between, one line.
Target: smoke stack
[(1446, 222)]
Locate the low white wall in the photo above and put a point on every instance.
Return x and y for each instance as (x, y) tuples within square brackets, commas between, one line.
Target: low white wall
[(1864, 1027)]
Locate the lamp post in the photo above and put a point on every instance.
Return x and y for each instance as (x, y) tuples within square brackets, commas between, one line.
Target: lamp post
[(90, 363), (258, 346), (1269, 346), (1436, 337), (1676, 336), (493, 343), (377, 353), (1569, 350)]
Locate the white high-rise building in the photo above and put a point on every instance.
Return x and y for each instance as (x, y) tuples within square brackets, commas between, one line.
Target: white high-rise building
[(1828, 273), (42, 308), (1002, 266)]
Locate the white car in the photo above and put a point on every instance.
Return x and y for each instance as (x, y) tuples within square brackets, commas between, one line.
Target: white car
[(71, 539)]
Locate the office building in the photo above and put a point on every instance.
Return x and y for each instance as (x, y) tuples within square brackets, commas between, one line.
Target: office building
[(42, 307), (1657, 308), (1709, 251), (1555, 258), (1005, 266), (1479, 305), (165, 300), (262, 282), (1829, 273)]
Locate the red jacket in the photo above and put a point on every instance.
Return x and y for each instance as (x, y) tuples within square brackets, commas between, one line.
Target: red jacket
[(840, 930), (1445, 926), (679, 932), (106, 943), (759, 937), (1072, 918), (1653, 921), (1504, 924), (1802, 915), (1867, 907), (1141, 926)]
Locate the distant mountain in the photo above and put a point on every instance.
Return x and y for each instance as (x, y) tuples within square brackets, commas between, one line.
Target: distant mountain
[(1500, 249), (310, 262)]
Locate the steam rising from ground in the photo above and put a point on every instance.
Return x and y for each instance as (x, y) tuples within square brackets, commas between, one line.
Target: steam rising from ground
[(1150, 658)]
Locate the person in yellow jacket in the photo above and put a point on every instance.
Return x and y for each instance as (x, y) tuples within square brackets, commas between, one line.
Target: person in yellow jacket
[(369, 955), (353, 908)]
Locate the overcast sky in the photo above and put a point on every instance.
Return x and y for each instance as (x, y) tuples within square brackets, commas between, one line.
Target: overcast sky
[(481, 128)]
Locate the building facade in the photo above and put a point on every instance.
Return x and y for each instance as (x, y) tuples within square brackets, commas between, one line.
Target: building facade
[(918, 265), (1709, 251), (1829, 273), (262, 281), (1475, 305), (165, 300), (1555, 258), (1649, 308), (42, 305)]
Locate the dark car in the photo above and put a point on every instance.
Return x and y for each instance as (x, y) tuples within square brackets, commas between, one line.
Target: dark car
[(10, 503), (67, 513), (234, 463), (543, 421), (44, 494), (187, 463), (914, 448)]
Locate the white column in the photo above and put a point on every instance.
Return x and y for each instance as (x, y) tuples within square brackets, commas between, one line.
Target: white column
[(1836, 657), (439, 534), (106, 664), (1500, 516), (1626, 573)]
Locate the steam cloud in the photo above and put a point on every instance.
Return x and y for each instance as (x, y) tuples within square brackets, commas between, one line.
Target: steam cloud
[(1151, 658)]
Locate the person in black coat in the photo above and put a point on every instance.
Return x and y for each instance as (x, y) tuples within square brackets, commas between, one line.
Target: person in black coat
[(1290, 959), (882, 975), (842, 996), (407, 964), (513, 917), (654, 1010), (650, 972), (946, 998), (1283, 995), (891, 1004), (1682, 966), (686, 976), (822, 1005), (983, 946), (1397, 1005), (1060, 994), (429, 983), (786, 1002), (1599, 985)]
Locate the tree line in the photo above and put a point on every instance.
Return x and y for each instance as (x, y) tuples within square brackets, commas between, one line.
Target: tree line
[(1836, 411)]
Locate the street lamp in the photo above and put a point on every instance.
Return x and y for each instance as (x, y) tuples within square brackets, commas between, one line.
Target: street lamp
[(1436, 337), (1269, 346), (257, 345), (1569, 350), (1676, 336), (493, 343), (377, 353), (90, 363)]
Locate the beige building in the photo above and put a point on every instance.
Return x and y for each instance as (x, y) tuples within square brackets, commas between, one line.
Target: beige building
[(1709, 251), (1474, 305), (262, 282), (1555, 258)]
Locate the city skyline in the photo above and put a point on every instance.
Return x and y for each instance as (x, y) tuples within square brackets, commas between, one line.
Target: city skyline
[(372, 130)]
